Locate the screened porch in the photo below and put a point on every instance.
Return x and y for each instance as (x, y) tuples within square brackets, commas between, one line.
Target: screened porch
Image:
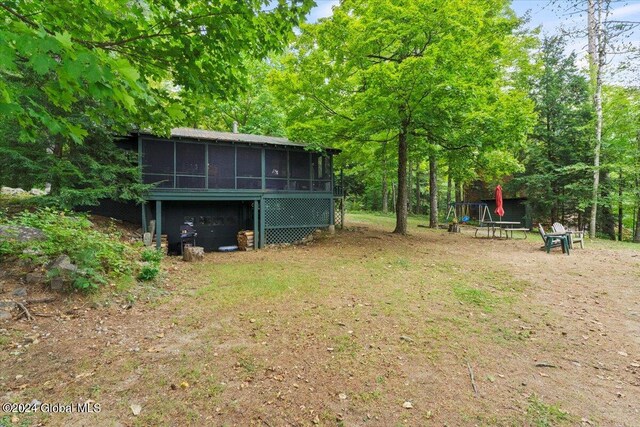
[(215, 166)]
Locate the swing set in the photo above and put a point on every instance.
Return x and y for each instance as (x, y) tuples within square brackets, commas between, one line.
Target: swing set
[(466, 208)]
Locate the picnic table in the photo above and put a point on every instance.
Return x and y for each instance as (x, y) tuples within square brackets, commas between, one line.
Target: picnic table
[(506, 226)]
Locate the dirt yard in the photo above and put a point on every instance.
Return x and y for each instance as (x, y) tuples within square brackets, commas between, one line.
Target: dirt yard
[(364, 328)]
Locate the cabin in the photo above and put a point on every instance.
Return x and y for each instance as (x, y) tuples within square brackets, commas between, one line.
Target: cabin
[(223, 182)]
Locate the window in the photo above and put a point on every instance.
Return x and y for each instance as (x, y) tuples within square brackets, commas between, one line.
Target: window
[(222, 166)]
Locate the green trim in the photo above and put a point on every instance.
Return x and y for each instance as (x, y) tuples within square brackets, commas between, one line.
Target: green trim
[(175, 165), (299, 195), (263, 174), (206, 166), (282, 227)]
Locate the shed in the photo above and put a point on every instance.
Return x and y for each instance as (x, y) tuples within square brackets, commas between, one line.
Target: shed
[(515, 209)]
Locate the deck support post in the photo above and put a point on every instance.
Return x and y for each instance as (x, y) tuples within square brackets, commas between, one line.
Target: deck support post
[(256, 233), (158, 224), (262, 223), (145, 226)]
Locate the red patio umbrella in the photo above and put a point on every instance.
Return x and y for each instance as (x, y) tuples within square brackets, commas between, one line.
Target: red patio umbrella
[(499, 209)]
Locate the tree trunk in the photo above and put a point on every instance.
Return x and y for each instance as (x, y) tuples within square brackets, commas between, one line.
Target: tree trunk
[(401, 203), (554, 206), (596, 62), (636, 235), (393, 196), (433, 192), (607, 220), (409, 187), (385, 189), (418, 201), (620, 208), (449, 184), (458, 196)]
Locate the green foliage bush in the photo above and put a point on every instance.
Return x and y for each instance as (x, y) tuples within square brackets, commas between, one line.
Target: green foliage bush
[(148, 273), (151, 255), (151, 270), (99, 256)]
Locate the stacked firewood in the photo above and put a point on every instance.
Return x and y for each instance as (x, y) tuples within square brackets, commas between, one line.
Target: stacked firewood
[(245, 240)]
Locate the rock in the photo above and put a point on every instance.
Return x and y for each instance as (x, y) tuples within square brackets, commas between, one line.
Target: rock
[(5, 315), (57, 284), (407, 405), (406, 338), (62, 264), (193, 253), (21, 233), (342, 396), (9, 191), (33, 278), (20, 292), (37, 192), (136, 409)]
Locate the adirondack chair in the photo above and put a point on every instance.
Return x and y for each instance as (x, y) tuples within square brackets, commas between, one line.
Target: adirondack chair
[(554, 240), (574, 236)]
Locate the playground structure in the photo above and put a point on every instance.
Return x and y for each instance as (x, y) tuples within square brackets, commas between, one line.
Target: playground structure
[(465, 211)]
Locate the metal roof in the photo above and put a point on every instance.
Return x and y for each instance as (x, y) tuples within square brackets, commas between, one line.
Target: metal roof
[(213, 135)]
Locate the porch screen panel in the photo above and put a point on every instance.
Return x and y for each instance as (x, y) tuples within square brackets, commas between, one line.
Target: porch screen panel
[(249, 184), (249, 160), (276, 184), (160, 181), (157, 163), (321, 172), (190, 165), (300, 170), (190, 181), (276, 163), (222, 166)]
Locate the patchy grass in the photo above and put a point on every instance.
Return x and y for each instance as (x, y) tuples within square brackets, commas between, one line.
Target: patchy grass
[(485, 300), (540, 414)]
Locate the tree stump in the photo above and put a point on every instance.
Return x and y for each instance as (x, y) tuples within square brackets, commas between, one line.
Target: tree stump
[(454, 228), (193, 253)]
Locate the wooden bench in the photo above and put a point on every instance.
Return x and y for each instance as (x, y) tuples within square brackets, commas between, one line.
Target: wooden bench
[(482, 228), (524, 230)]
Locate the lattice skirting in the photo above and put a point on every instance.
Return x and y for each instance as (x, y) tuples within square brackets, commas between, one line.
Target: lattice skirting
[(292, 212), (337, 212), (286, 235)]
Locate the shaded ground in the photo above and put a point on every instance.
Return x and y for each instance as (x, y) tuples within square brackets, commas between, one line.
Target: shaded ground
[(345, 331)]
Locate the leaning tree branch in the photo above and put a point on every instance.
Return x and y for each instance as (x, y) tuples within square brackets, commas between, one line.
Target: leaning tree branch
[(329, 109)]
